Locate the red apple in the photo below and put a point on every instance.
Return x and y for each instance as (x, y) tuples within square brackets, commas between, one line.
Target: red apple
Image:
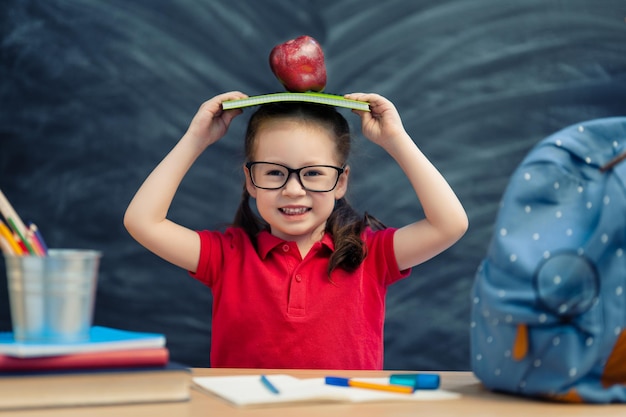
[(299, 65)]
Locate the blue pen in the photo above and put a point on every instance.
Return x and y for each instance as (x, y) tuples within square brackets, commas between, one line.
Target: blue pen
[(267, 384)]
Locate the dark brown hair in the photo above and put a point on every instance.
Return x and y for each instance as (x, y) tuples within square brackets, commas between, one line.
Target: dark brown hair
[(345, 225)]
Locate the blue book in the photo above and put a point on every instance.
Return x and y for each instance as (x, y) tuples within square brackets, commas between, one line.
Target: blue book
[(100, 339)]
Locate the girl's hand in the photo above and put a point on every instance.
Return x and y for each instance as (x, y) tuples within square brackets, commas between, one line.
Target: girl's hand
[(382, 123), (211, 122), (446, 220)]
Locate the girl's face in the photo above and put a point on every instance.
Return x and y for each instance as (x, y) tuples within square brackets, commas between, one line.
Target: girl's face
[(292, 212)]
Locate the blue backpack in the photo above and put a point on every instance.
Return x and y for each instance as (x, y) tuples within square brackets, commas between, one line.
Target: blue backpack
[(549, 299)]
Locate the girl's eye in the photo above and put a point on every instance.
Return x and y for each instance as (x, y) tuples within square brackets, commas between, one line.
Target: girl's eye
[(313, 173), (275, 172)]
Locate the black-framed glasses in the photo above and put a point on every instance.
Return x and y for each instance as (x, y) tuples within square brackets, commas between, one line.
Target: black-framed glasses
[(271, 176)]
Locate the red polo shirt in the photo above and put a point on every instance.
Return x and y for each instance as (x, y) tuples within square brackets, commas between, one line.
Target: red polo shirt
[(273, 309)]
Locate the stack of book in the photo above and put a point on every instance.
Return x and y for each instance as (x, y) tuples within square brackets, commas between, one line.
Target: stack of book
[(113, 367)]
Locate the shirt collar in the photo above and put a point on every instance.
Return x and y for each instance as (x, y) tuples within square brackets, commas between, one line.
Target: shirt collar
[(266, 242)]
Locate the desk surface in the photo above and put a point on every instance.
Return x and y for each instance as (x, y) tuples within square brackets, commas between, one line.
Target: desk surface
[(475, 401)]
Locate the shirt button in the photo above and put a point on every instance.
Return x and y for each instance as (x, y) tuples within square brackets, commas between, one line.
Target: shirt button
[(285, 248), (298, 278)]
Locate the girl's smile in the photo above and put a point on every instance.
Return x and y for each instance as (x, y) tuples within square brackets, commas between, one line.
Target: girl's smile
[(292, 212)]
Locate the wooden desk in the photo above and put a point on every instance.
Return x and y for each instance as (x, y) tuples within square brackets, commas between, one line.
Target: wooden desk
[(475, 401)]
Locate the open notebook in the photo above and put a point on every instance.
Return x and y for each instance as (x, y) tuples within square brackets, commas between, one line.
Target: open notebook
[(248, 391)]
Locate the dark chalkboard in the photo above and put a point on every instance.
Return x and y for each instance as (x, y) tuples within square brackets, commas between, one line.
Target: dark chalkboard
[(93, 94)]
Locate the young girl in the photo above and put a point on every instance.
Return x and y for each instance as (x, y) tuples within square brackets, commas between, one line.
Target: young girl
[(304, 285)]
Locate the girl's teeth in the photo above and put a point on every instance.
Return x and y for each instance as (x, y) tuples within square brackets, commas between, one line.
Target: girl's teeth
[(294, 210)]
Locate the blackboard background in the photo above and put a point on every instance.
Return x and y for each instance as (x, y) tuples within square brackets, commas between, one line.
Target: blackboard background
[(94, 93)]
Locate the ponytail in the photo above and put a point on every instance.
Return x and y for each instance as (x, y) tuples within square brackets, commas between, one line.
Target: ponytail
[(247, 219), (347, 227)]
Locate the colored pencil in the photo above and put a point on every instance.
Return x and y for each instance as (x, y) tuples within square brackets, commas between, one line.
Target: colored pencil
[(9, 213), (22, 240), (5, 247), (38, 237), (22, 236), (8, 237)]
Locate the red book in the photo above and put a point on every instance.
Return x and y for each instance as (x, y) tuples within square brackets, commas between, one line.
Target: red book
[(129, 358)]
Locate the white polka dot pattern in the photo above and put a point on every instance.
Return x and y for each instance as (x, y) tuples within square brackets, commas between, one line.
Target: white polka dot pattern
[(556, 265)]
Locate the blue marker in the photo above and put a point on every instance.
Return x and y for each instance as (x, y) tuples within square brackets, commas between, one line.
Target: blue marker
[(417, 381), (267, 384)]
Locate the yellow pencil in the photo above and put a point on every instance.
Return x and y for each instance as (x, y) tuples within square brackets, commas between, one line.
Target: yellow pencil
[(8, 236), (5, 247)]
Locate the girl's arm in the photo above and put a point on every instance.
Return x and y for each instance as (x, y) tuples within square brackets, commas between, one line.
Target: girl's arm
[(446, 220), (146, 216)]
